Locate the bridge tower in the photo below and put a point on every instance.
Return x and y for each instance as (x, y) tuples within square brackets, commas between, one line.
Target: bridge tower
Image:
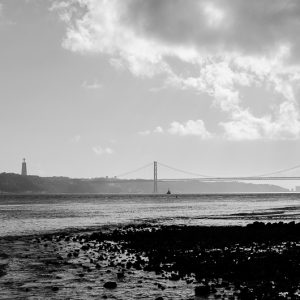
[(24, 168), (155, 178)]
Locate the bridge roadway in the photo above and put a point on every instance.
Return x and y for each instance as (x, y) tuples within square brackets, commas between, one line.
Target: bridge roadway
[(269, 178)]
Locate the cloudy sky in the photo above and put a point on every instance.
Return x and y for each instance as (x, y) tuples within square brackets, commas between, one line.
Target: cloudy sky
[(92, 88)]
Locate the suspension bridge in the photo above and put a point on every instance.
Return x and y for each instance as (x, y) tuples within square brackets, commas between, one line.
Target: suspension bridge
[(272, 176)]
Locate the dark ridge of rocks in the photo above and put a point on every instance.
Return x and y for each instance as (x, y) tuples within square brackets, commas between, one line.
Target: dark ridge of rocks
[(259, 261), (238, 256), (186, 236)]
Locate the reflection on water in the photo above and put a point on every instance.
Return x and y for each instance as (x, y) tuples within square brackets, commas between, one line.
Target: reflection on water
[(26, 214)]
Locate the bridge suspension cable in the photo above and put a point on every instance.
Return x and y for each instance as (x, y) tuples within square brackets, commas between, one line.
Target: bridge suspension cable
[(207, 177), (279, 171), (183, 171), (242, 177), (135, 170)]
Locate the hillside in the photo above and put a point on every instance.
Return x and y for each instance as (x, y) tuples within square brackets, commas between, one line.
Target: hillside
[(14, 183)]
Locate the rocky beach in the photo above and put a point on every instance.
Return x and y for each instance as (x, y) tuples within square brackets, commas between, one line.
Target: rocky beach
[(148, 261)]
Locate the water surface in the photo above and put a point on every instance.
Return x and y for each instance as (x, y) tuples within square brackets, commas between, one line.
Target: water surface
[(27, 214)]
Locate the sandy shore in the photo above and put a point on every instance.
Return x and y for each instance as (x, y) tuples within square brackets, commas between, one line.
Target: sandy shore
[(154, 262)]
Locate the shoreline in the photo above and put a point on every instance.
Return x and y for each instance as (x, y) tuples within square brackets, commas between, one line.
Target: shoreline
[(147, 222), (148, 261)]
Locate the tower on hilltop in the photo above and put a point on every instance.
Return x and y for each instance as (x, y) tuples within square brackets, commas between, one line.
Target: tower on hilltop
[(24, 168)]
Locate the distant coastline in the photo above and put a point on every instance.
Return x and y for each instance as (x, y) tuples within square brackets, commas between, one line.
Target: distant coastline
[(14, 183)]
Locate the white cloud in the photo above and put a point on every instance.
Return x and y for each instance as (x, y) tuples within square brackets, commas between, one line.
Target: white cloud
[(92, 86), (245, 126), (144, 132), (158, 129), (215, 17), (98, 150), (222, 81), (196, 128), (223, 45), (76, 139), (157, 89)]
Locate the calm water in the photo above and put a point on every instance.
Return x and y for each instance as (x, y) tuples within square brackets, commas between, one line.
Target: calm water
[(26, 214)]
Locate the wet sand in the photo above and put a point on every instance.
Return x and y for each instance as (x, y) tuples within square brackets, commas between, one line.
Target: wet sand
[(259, 261)]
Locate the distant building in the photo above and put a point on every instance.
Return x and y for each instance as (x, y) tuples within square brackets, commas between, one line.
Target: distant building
[(24, 168)]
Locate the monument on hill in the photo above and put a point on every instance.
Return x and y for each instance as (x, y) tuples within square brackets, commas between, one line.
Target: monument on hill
[(24, 168)]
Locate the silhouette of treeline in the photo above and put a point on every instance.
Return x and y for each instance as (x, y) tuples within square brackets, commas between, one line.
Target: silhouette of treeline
[(14, 183)]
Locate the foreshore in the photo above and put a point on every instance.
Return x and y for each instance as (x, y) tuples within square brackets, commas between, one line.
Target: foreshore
[(258, 261)]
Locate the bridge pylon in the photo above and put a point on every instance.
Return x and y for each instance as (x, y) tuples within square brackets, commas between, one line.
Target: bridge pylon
[(155, 177)]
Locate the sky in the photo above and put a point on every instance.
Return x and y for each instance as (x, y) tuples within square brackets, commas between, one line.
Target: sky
[(92, 88)]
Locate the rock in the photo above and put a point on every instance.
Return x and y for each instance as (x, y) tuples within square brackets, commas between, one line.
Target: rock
[(174, 277), (3, 255), (159, 298), (160, 286), (54, 288), (110, 285), (202, 290), (2, 272), (85, 247)]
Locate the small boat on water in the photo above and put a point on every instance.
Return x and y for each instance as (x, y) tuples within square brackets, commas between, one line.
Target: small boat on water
[(168, 192)]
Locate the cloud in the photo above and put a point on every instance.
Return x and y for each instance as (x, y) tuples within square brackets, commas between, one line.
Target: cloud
[(4, 19), (157, 89), (245, 126), (190, 128), (98, 150), (234, 25), (144, 132), (76, 139), (95, 85), (250, 27), (156, 130), (222, 46)]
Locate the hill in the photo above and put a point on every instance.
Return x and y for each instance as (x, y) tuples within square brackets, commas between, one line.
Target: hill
[(14, 183)]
